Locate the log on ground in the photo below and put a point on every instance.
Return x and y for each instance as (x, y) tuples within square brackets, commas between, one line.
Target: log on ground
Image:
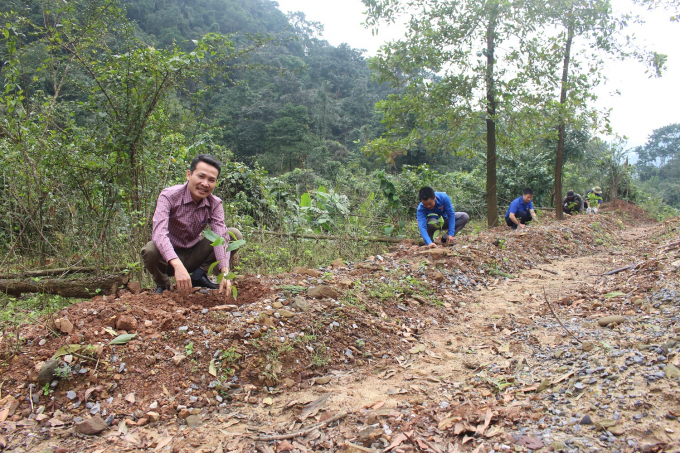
[(82, 287)]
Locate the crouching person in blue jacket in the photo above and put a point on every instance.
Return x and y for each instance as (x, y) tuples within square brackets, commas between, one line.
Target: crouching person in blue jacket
[(433, 207)]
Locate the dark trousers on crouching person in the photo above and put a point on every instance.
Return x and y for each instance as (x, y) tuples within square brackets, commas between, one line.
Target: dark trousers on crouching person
[(524, 217), (462, 219), (200, 256)]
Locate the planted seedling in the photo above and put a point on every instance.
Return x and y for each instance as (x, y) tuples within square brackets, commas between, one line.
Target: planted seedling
[(216, 241)]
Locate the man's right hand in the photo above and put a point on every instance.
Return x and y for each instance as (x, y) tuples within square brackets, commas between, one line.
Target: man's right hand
[(432, 245), (181, 276)]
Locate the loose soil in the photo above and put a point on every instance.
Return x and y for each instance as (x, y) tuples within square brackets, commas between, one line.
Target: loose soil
[(452, 349)]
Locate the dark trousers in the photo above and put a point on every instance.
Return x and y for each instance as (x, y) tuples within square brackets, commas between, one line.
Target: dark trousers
[(202, 255), (524, 217), (462, 219)]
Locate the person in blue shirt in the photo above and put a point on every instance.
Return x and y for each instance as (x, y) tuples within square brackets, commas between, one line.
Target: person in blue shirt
[(433, 206), (521, 210)]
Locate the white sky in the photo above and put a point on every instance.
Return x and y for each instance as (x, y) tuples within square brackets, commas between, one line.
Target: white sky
[(644, 104)]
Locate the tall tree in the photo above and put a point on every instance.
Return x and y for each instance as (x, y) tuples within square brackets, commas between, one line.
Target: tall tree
[(454, 75)]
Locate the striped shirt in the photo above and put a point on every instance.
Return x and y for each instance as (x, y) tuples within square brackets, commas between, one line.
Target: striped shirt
[(179, 221)]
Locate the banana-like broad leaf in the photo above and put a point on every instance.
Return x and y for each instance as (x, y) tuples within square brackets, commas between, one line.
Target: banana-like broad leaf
[(215, 239), (122, 339)]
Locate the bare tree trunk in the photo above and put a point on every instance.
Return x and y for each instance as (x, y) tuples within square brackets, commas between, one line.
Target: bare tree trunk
[(491, 200), (83, 287), (559, 158)]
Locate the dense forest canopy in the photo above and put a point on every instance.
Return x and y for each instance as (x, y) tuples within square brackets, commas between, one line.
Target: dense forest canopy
[(104, 103)]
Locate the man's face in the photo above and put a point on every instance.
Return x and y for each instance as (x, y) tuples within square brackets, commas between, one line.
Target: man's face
[(202, 181), (527, 197), (429, 204)]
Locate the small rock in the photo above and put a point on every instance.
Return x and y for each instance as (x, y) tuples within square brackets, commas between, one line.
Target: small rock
[(153, 416), (71, 395), (286, 313), (300, 304), (134, 287), (587, 346), (277, 305), (586, 420), (127, 323), (42, 342), (558, 354), (310, 272), (610, 319), (148, 323), (321, 291), (179, 358), (46, 372), (337, 263), (672, 371), (91, 426), (322, 380), (194, 420), (153, 405), (64, 325)]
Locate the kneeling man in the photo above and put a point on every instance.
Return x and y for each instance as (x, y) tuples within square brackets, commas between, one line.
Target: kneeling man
[(433, 206), (182, 213), (521, 210)]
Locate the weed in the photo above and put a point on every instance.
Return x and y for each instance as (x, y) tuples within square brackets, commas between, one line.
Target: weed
[(295, 289), (189, 348), (63, 372), (46, 389)]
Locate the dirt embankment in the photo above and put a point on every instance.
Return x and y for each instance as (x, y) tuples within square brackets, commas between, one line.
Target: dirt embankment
[(439, 347)]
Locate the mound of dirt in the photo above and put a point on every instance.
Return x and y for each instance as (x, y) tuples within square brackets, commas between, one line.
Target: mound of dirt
[(629, 212)]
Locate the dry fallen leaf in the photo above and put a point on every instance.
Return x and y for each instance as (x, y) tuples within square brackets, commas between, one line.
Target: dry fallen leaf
[(311, 409)]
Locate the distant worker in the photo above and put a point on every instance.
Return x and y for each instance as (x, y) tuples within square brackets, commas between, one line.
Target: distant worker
[(182, 213), (521, 210), (593, 200), (435, 212), (572, 203)]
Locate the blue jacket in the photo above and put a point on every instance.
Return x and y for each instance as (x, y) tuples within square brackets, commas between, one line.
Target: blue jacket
[(517, 205), (443, 208)]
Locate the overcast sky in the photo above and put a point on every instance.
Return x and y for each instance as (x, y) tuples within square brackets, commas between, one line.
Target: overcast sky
[(644, 104)]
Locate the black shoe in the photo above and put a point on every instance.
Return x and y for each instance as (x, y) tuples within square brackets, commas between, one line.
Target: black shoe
[(203, 282), (160, 289)]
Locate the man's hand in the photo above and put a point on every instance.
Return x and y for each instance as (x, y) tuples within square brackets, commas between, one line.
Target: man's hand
[(521, 225), (432, 245), (225, 284), (181, 276), (449, 239)]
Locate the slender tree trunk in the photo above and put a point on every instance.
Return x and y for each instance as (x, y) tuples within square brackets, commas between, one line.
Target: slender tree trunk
[(491, 201), (559, 158)]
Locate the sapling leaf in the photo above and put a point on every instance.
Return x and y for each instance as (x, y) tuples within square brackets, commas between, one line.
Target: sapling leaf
[(234, 292), (211, 235), (212, 266), (122, 339), (236, 245)]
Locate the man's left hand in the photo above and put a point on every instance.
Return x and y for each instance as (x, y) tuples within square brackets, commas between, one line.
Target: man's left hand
[(449, 239)]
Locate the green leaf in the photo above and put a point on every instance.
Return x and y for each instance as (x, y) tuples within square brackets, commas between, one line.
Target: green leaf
[(614, 294), (66, 349), (234, 292), (305, 200), (212, 266), (211, 235), (236, 245), (122, 339)]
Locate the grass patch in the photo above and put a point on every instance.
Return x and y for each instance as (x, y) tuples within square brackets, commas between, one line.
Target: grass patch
[(17, 311)]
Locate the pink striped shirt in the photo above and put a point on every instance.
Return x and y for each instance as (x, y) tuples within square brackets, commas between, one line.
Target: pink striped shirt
[(179, 221)]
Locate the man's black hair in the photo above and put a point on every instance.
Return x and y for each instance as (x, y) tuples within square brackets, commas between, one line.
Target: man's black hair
[(527, 191), (208, 159), (426, 193), (570, 193)]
